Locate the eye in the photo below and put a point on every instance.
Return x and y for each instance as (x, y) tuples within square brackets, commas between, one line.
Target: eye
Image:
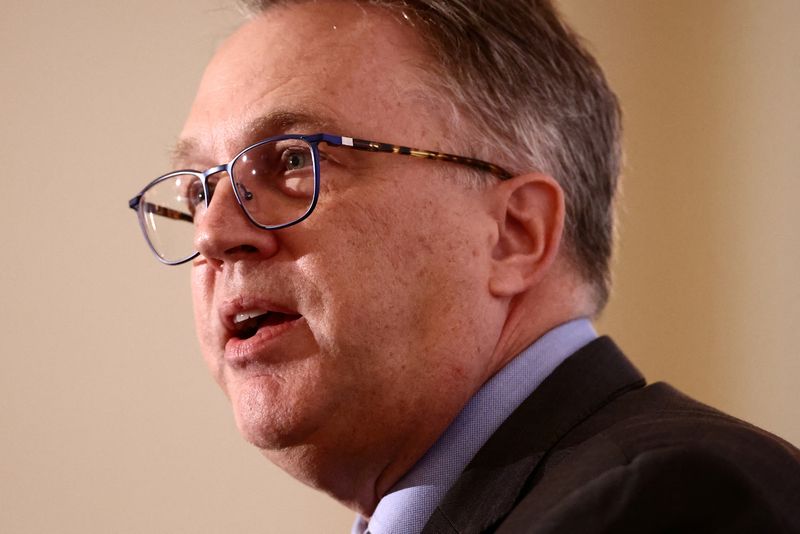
[(295, 159), (195, 195), (190, 194)]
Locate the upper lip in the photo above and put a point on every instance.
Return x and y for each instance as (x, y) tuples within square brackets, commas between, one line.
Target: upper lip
[(230, 308)]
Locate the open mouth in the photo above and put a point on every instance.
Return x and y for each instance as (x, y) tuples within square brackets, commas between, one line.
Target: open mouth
[(247, 324)]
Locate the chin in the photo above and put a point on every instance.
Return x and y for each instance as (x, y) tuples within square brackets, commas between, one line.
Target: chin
[(267, 420), (262, 438)]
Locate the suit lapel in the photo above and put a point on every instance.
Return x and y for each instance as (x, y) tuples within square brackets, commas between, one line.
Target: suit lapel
[(491, 484)]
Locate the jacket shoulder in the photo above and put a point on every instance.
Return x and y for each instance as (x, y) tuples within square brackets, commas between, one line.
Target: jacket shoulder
[(654, 459)]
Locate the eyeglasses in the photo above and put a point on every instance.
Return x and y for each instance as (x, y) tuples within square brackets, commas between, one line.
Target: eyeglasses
[(275, 182)]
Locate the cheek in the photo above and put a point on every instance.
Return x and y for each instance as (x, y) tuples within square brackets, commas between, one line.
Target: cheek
[(390, 274), (202, 280)]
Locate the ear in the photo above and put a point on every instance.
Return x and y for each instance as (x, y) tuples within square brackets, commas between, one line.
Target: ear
[(530, 218)]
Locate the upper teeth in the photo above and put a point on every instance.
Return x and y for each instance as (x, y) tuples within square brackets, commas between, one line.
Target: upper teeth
[(244, 316)]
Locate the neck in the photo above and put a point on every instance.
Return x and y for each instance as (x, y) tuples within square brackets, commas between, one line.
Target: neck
[(534, 313)]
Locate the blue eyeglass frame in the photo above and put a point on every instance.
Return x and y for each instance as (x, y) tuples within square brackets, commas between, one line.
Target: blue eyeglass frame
[(313, 141)]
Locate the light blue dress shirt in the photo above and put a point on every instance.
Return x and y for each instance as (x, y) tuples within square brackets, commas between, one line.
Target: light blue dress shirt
[(409, 504)]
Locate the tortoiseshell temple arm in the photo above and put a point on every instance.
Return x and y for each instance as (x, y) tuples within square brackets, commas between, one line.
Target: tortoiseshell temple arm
[(163, 211), (372, 146)]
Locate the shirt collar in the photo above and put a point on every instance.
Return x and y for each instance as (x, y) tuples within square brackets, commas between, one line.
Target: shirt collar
[(409, 504)]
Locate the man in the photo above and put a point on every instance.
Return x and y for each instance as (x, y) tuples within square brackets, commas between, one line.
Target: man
[(408, 330)]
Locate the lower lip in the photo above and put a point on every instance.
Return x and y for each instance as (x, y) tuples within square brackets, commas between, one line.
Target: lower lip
[(258, 348)]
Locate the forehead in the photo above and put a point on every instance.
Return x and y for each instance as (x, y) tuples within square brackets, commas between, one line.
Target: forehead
[(328, 64)]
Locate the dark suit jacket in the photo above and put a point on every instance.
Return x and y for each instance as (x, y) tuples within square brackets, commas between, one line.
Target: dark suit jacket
[(594, 450)]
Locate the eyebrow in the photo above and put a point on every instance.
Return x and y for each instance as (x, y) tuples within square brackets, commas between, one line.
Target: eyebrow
[(273, 123)]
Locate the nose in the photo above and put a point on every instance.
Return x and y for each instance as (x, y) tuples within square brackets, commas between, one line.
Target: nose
[(224, 234)]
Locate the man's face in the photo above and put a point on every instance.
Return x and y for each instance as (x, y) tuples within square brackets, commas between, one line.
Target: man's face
[(384, 325)]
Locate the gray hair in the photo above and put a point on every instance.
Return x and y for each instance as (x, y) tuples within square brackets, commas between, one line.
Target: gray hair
[(530, 92)]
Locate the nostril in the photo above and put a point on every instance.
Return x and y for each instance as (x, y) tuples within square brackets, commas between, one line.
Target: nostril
[(246, 249)]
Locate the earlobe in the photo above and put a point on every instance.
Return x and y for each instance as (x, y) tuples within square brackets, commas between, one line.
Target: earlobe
[(530, 218)]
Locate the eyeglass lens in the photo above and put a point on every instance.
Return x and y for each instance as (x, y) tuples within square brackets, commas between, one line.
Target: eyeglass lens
[(274, 183)]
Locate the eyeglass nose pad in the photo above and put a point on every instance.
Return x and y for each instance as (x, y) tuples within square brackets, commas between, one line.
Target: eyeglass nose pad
[(244, 193)]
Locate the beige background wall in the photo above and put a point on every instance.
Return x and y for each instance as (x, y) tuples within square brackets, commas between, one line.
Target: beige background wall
[(109, 422)]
